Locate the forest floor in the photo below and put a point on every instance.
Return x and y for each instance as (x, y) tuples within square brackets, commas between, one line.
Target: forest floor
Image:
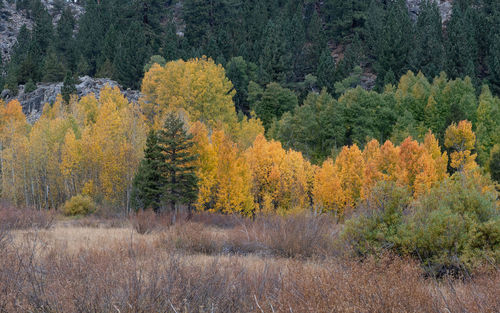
[(217, 264)]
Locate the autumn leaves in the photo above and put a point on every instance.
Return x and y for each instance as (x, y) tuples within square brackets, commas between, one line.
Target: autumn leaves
[(93, 147)]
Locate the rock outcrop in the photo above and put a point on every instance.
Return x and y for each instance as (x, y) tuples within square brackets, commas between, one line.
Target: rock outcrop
[(444, 8), (11, 21), (34, 101)]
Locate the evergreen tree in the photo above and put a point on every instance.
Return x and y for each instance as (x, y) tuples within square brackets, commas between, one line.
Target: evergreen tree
[(344, 18), (428, 51), (149, 183), (461, 44), (64, 41), (68, 87), (178, 171), (326, 71), (132, 55), (389, 38), (52, 70)]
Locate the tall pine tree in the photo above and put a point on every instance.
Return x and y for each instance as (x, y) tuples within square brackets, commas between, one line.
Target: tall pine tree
[(178, 170), (149, 183)]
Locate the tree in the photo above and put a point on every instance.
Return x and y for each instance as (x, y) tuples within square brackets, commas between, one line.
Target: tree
[(240, 73), (428, 51), (389, 39), (315, 128), (326, 71), (273, 103), (327, 192), (494, 163), (461, 44), (198, 86), (176, 145), (64, 41), (53, 71), (461, 140), (132, 54), (68, 87), (149, 183), (488, 124)]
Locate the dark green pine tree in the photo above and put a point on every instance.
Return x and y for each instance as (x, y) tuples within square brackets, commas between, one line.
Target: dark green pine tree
[(64, 41), (178, 170), (326, 72), (493, 55), (53, 70), (428, 51), (389, 32), (461, 44), (344, 18), (131, 58), (68, 87), (149, 183)]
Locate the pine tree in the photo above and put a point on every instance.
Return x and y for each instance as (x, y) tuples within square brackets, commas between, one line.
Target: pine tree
[(53, 70), (461, 44), (132, 54), (68, 87), (326, 71), (178, 169), (64, 41), (149, 183), (428, 51)]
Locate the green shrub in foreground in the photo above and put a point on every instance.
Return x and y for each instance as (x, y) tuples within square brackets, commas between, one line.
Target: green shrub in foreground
[(455, 226)]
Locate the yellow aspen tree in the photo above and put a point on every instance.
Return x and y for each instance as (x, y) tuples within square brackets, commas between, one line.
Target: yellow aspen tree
[(198, 86), (461, 139), (431, 145), (327, 192), (371, 156), (349, 166)]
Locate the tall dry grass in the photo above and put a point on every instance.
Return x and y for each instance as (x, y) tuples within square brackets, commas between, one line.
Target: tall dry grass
[(135, 276), (211, 263)]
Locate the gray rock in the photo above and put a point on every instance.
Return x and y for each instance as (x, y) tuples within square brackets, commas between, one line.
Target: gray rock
[(34, 101), (444, 8), (6, 94), (12, 20)]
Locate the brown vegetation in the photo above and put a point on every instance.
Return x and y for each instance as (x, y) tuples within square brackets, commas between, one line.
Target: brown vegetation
[(214, 263)]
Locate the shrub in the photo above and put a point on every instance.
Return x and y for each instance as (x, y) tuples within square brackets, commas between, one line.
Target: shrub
[(30, 86), (145, 222), (79, 205), (381, 215), (454, 226), (24, 218)]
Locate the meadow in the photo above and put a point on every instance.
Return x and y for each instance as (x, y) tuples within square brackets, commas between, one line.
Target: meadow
[(215, 263)]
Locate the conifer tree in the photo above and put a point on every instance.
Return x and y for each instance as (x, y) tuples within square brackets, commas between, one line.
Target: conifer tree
[(68, 87), (178, 170), (149, 183), (131, 57), (428, 51), (326, 71)]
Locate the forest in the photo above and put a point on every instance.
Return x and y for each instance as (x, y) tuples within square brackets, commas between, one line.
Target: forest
[(256, 144)]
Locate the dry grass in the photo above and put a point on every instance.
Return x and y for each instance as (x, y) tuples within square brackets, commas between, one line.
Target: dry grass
[(209, 264)]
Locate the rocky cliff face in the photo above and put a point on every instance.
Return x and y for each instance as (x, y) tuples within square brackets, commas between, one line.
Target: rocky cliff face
[(444, 8), (33, 102), (11, 21)]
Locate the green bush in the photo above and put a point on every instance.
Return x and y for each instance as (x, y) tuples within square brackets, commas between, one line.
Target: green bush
[(376, 228), (30, 86), (79, 205), (455, 226)]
